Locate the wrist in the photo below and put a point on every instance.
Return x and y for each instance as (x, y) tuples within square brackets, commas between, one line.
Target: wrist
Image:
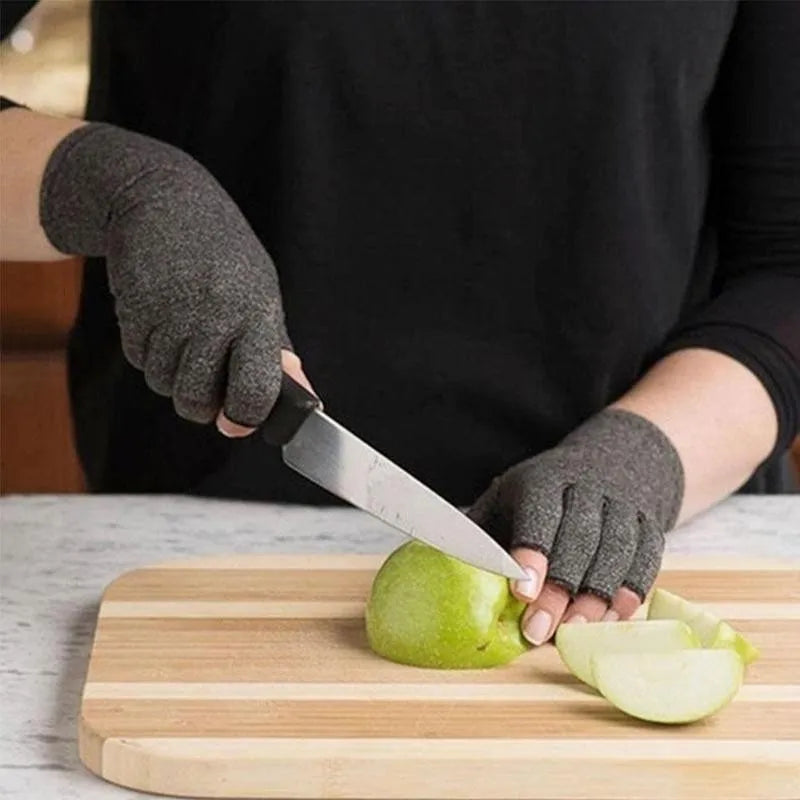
[(641, 456), (96, 173)]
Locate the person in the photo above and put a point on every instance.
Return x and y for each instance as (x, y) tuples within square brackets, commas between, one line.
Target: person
[(544, 255)]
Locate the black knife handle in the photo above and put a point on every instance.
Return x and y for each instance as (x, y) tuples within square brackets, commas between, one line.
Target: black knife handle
[(290, 411)]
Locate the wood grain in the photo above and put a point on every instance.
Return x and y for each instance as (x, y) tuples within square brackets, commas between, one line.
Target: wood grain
[(341, 585), (322, 650), (412, 719), (459, 769), (252, 678)]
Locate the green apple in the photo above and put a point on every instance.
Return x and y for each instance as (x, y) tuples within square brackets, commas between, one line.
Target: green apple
[(682, 686), (578, 644), (430, 610), (710, 629)]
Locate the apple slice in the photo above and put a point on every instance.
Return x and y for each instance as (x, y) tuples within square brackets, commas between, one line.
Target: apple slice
[(577, 643), (682, 686), (727, 636), (710, 629)]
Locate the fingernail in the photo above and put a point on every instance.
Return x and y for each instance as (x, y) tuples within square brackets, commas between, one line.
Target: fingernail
[(530, 586), (538, 628), (577, 618), (610, 616)]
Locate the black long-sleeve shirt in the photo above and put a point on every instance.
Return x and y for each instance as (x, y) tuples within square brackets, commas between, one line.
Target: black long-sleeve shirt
[(488, 218)]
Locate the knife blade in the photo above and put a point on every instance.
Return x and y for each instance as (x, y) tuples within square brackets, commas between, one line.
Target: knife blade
[(326, 453)]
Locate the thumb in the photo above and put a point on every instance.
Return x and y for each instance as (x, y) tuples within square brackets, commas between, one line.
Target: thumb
[(293, 367)]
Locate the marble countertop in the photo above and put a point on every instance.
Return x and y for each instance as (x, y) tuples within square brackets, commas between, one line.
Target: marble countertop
[(58, 553)]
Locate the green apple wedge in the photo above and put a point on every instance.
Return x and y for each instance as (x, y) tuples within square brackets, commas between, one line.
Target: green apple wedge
[(678, 687), (427, 609), (577, 644), (710, 629)]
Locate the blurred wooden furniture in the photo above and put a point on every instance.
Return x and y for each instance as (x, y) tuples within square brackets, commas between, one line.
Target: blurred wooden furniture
[(38, 301), (37, 306)]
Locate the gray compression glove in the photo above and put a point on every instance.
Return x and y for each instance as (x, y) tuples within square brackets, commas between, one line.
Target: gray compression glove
[(597, 505), (196, 295)]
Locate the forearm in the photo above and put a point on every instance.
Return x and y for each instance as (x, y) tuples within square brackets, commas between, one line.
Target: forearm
[(716, 413), (28, 139)]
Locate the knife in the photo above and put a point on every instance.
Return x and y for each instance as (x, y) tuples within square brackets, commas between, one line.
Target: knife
[(326, 453)]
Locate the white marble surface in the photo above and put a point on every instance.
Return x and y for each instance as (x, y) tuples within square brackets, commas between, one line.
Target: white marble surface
[(58, 553)]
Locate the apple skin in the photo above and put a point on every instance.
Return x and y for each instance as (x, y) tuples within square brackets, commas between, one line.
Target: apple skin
[(727, 636), (427, 609)]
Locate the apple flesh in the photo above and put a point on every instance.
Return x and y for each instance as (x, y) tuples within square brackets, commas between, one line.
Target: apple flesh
[(577, 644), (710, 629), (428, 609), (678, 687)]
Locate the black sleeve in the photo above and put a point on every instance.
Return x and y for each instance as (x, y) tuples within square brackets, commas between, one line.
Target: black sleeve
[(754, 315), (11, 12)]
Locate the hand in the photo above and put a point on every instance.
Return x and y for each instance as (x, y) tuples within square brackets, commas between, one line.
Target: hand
[(587, 520), (196, 295)]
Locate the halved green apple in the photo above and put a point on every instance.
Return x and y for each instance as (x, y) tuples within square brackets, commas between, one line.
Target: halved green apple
[(578, 643), (710, 629), (677, 687), (428, 609)]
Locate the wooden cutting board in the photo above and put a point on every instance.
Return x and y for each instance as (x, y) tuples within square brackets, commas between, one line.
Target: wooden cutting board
[(250, 677)]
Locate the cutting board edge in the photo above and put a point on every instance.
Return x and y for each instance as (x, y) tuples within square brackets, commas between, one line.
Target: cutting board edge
[(90, 745), (132, 764)]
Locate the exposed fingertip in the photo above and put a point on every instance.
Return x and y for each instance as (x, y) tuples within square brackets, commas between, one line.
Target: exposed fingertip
[(232, 430), (538, 627), (626, 602), (528, 557), (529, 588), (292, 366), (535, 565)]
